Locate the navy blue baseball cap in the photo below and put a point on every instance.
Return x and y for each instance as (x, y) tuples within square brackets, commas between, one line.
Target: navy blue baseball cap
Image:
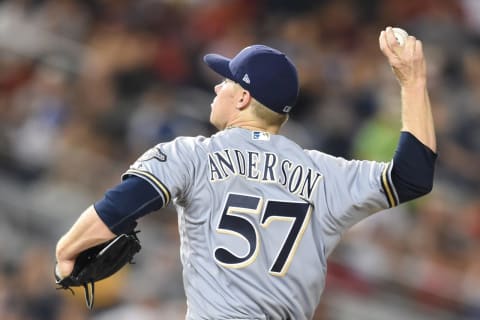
[(268, 74)]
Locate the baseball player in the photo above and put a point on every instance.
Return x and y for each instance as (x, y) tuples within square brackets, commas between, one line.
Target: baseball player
[(258, 214)]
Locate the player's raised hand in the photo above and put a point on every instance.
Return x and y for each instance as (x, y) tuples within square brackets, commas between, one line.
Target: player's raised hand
[(407, 61)]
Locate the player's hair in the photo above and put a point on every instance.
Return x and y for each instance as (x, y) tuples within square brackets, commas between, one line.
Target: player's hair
[(267, 115)]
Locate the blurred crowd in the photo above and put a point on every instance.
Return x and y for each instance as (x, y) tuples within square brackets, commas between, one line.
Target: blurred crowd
[(87, 86)]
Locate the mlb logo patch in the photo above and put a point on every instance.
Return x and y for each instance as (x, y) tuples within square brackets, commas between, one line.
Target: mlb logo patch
[(260, 135)]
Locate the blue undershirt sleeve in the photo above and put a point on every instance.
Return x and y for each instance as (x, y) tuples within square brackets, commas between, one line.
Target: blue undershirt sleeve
[(413, 168), (122, 205)]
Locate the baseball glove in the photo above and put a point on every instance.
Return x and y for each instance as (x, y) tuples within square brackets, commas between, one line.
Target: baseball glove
[(100, 262)]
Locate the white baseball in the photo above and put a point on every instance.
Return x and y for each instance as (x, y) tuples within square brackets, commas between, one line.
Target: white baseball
[(401, 35)]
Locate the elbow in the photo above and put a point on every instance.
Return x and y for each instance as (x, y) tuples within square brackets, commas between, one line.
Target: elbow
[(413, 168), (428, 187), (423, 185), (423, 190), (410, 191)]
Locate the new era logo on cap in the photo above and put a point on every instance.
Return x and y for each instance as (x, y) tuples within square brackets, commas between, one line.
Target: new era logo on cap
[(268, 74)]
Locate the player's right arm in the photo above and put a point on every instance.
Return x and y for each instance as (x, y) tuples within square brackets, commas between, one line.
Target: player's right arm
[(409, 66), (413, 163), (353, 192)]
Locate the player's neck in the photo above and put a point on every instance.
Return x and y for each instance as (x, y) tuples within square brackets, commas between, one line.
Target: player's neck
[(252, 126), (245, 118)]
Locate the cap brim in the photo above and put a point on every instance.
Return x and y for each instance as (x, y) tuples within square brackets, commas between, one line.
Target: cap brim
[(219, 64)]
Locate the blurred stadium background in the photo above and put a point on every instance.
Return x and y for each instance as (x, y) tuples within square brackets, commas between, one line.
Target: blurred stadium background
[(86, 86)]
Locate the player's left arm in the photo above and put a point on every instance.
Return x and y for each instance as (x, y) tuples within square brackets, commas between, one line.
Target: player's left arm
[(115, 214), (88, 231), (413, 163)]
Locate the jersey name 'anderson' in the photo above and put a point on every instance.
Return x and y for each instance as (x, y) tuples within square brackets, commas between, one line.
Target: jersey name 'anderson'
[(264, 167)]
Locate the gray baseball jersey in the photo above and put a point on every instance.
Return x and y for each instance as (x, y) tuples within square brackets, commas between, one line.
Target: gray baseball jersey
[(258, 216)]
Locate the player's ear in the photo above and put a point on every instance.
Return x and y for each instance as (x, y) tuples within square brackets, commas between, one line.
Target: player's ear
[(244, 99)]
